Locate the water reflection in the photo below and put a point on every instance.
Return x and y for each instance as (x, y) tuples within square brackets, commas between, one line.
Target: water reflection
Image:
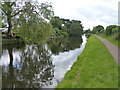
[(39, 66), (33, 70), (66, 44)]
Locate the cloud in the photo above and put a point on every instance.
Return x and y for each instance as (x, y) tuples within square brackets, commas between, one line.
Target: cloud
[(90, 12)]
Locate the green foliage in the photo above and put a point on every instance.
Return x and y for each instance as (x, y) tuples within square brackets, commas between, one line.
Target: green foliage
[(3, 36), (30, 14), (115, 30), (36, 32), (66, 27), (110, 28), (112, 38), (98, 29), (56, 22), (87, 31), (76, 28), (58, 32), (112, 33), (32, 24), (117, 36), (46, 10), (36, 28), (64, 33), (88, 35)]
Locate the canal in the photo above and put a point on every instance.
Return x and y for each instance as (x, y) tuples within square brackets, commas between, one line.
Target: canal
[(39, 66)]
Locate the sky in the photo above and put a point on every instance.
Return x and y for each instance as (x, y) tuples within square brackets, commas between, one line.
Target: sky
[(90, 12)]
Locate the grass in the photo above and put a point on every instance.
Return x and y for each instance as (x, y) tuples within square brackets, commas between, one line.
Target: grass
[(112, 39), (95, 68)]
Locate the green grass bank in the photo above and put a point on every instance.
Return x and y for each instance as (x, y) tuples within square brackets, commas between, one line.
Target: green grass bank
[(111, 38), (95, 68)]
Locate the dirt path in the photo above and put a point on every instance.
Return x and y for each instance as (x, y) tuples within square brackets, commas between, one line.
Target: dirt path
[(112, 49)]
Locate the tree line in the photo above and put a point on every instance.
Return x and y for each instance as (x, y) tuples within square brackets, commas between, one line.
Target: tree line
[(108, 31), (36, 21), (66, 27)]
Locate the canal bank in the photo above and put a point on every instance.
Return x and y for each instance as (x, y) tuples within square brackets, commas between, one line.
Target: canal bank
[(95, 68)]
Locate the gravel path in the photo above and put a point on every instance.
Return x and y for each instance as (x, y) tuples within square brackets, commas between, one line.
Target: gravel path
[(114, 50)]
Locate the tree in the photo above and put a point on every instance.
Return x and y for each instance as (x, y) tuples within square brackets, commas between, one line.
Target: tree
[(98, 29), (56, 22), (64, 28), (87, 31), (10, 12), (110, 28), (76, 28), (28, 10)]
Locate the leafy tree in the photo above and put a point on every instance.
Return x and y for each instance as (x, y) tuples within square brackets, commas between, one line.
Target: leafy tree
[(76, 29), (27, 12), (64, 28), (8, 10), (110, 28), (87, 31), (67, 27), (66, 23), (115, 30), (98, 29), (56, 22)]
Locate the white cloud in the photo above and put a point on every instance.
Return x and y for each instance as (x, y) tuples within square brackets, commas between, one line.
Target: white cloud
[(90, 12)]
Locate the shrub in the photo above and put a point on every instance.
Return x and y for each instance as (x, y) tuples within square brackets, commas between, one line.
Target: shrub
[(3, 36), (117, 36), (88, 35)]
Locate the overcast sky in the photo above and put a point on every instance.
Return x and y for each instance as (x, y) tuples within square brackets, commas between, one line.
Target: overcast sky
[(90, 12)]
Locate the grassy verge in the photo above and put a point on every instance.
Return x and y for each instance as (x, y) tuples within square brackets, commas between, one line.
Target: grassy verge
[(111, 39), (95, 68)]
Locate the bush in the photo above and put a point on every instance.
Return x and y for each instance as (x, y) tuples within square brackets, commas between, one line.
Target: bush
[(58, 32), (117, 36), (3, 36), (110, 28), (17, 36), (64, 33), (88, 35)]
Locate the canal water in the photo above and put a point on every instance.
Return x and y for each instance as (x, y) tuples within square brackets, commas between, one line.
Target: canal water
[(39, 66)]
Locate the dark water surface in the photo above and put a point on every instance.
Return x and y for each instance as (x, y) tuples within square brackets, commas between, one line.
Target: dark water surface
[(39, 66)]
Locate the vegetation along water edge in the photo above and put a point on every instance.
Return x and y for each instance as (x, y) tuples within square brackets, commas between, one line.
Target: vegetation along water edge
[(95, 68)]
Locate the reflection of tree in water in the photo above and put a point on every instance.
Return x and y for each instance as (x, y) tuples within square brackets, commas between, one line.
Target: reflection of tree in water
[(74, 42), (57, 46), (35, 69), (64, 44)]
